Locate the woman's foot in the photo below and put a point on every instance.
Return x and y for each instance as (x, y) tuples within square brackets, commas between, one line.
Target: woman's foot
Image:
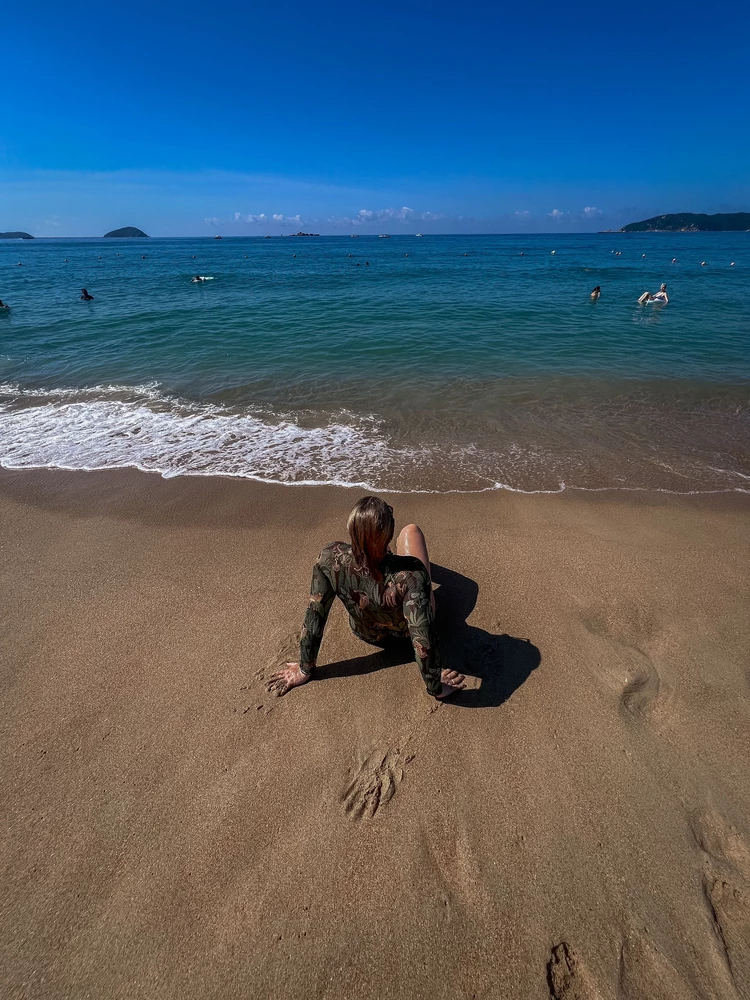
[(452, 682)]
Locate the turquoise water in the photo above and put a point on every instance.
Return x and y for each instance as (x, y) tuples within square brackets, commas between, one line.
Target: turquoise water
[(442, 362)]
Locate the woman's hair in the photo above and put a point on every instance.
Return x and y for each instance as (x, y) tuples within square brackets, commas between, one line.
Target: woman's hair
[(371, 527)]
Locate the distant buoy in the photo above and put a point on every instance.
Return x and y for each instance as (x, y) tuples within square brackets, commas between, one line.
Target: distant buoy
[(294, 255), (732, 264), (643, 255), (703, 263), (20, 264), (553, 251), (143, 256), (674, 260)]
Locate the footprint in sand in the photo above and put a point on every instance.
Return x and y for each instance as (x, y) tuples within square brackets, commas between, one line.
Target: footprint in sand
[(567, 978), (646, 974), (640, 694), (722, 842), (375, 783), (629, 626), (727, 895), (730, 909), (630, 629)]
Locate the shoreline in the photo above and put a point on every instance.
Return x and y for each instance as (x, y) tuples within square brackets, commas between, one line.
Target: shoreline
[(174, 831)]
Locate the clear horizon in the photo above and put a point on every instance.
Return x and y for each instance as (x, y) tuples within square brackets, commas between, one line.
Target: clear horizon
[(401, 119)]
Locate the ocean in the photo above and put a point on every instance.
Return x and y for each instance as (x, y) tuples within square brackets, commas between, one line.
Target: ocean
[(440, 363)]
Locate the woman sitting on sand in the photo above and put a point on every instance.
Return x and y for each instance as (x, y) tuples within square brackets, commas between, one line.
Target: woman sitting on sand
[(388, 597), (660, 296)]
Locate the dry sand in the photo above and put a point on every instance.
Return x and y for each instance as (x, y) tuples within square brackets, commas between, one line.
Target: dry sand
[(578, 825)]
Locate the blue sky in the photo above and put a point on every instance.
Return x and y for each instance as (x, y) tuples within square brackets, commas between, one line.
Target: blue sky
[(249, 118)]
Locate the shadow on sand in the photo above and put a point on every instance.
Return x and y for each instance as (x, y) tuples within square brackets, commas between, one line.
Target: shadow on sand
[(502, 662)]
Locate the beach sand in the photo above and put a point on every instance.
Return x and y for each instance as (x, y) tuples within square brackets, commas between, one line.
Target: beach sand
[(576, 825)]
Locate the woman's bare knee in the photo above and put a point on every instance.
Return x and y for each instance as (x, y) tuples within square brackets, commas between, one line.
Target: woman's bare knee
[(408, 536), (411, 542)]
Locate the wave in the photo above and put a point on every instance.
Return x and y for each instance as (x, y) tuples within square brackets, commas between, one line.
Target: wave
[(142, 427)]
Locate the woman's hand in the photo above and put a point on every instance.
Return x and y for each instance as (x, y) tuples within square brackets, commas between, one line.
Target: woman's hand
[(452, 682), (284, 680)]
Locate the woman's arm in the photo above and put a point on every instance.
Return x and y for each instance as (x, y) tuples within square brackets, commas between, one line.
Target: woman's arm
[(420, 618), (321, 599), (316, 616)]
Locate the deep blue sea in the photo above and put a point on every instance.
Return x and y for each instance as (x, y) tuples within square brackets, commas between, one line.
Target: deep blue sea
[(410, 363)]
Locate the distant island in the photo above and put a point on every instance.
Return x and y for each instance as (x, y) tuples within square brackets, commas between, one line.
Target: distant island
[(304, 234), (16, 236), (126, 231), (687, 222)]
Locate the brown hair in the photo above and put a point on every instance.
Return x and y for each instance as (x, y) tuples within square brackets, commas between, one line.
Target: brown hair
[(371, 528)]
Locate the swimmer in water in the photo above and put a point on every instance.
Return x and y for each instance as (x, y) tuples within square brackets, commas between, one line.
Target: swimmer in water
[(4, 305), (85, 297), (660, 296), (196, 279), (596, 293)]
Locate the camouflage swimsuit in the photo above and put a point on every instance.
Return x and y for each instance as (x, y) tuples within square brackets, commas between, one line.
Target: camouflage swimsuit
[(397, 608)]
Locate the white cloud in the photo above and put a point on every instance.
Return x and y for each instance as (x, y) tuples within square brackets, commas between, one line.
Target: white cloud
[(292, 220), (366, 216), (592, 212), (214, 222), (54, 220), (255, 218), (523, 215), (556, 213)]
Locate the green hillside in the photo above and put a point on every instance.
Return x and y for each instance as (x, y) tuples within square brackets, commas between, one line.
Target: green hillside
[(688, 222)]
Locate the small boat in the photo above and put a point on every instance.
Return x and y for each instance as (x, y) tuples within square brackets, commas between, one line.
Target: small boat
[(384, 236), (217, 237), (419, 234), (354, 236)]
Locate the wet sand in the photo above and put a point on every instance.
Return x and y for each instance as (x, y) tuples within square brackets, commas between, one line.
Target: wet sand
[(576, 825)]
